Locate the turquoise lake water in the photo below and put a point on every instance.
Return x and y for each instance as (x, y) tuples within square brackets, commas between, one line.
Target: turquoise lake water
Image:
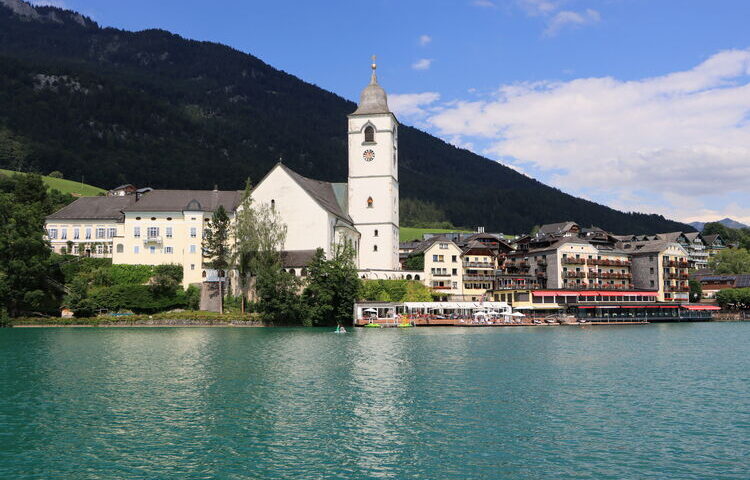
[(635, 402)]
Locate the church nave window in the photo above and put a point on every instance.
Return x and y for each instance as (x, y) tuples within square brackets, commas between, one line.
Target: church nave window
[(369, 202), (374, 248), (376, 232), (369, 134)]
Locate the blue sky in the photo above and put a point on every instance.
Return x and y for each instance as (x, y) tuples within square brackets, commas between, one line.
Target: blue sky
[(639, 104)]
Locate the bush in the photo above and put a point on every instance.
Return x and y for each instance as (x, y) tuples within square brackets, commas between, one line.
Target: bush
[(56, 174), (138, 298), (131, 274), (169, 270), (193, 297), (395, 291)]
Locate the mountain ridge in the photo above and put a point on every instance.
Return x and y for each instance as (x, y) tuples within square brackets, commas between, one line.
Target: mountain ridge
[(727, 222), (153, 108)]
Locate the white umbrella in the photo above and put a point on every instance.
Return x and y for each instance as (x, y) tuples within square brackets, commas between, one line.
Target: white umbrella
[(370, 310), (517, 314)]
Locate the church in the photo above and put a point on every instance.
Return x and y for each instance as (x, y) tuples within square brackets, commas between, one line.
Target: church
[(155, 226), (363, 211)]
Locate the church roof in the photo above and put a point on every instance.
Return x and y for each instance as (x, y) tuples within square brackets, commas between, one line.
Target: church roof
[(94, 208), (331, 196), (373, 98)]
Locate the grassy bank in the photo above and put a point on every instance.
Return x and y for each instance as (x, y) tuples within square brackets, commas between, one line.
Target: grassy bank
[(185, 318), (77, 189), (407, 234)]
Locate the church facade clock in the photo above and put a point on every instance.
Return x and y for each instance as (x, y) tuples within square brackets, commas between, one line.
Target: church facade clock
[(368, 155)]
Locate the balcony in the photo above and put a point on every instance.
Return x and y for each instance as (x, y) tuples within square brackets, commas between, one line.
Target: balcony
[(541, 263), (608, 263), (574, 274), (541, 274), (479, 278), (152, 241), (573, 261), (486, 265), (441, 274)]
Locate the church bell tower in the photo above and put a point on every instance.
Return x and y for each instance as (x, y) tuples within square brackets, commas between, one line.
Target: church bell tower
[(373, 178)]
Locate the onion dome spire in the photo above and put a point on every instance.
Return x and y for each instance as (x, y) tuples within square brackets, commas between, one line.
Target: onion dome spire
[(373, 98)]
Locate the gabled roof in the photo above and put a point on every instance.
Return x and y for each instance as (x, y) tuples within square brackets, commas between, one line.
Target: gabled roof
[(692, 236), (181, 200), (424, 245), (557, 228), (670, 237), (331, 196), (296, 258), (713, 238), (94, 208)]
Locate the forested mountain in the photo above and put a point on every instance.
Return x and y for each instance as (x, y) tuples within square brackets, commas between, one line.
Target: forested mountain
[(154, 109)]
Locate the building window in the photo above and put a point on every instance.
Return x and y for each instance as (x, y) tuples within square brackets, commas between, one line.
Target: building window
[(192, 266), (374, 248), (376, 232), (152, 250), (369, 202), (76, 233), (137, 232), (454, 259), (99, 249), (192, 249), (444, 246), (153, 232), (88, 234), (52, 233), (169, 232), (101, 233), (111, 232), (273, 204), (168, 250), (120, 248), (136, 249), (652, 283), (369, 134), (193, 232), (64, 234)]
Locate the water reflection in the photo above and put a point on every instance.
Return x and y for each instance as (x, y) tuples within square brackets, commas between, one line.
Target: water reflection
[(522, 403)]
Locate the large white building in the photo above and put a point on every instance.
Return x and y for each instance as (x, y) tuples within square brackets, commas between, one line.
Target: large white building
[(167, 226)]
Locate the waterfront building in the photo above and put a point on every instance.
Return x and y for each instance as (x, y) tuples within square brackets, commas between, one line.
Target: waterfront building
[(88, 226), (153, 227), (711, 283), (443, 271), (662, 266)]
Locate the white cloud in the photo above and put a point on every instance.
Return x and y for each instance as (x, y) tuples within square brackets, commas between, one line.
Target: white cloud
[(567, 18), (422, 64), (483, 3), (48, 3), (636, 144), (424, 40), (412, 104), (538, 7)]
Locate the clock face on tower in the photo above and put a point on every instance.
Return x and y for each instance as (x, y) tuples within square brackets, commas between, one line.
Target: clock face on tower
[(368, 155)]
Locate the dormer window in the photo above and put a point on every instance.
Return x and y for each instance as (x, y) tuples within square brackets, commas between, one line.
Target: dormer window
[(369, 134)]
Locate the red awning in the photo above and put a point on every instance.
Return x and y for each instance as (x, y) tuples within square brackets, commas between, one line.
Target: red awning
[(547, 293), (701, 307)]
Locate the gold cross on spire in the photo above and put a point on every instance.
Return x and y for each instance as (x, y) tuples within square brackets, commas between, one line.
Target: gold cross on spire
[(374, 65)]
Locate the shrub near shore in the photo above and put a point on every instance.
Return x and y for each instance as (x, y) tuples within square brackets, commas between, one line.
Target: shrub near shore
[(187, 318)]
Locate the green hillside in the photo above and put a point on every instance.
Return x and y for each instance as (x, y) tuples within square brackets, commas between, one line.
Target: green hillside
[(76, 189), (154, 109), (407, 234)]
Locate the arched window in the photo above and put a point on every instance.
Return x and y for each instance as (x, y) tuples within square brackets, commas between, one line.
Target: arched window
[(273, 203), (408, 276), (376, 232), (120, 248), (416, 277), (369, 134), (374, 248), (203, 274), (369, 202), (292, 272)]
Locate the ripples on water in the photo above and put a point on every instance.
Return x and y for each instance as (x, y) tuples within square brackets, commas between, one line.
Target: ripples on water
[(661, 401)]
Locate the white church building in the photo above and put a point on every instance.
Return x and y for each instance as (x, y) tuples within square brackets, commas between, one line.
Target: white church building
[(167, 226)]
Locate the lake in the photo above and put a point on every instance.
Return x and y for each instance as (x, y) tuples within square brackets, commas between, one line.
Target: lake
[(658, 401)]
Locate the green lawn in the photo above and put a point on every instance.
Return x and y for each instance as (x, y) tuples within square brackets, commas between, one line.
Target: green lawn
[(66, 186), (408, 234)]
